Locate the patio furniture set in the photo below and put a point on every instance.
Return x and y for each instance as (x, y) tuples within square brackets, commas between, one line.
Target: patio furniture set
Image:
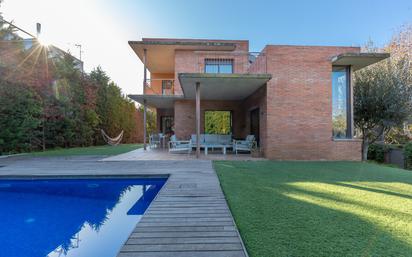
[(212, 142)]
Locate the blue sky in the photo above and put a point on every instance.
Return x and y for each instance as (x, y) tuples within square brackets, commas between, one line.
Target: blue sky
[(103, 27), (277, 22)]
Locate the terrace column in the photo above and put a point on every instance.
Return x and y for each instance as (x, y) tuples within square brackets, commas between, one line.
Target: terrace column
[(144, 101), (144, 124), (197, 119)]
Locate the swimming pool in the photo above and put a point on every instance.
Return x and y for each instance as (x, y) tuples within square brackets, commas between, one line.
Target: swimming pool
[(71, 217)]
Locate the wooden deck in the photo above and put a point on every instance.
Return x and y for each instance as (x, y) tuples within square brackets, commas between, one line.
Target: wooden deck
[(189, 216)]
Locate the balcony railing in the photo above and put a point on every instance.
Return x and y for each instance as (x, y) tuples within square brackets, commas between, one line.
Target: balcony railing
[(159, 87), (242, 62)]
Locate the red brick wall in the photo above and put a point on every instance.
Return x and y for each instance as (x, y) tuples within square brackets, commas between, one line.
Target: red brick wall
[(346, 150), (193, 61), (256, 100), (299, 104)]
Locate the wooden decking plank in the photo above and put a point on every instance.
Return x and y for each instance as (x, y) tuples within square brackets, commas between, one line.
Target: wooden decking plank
[(192, 223), (184, 254), (183, 240), (186, 228), (182, 247), (183, 234)]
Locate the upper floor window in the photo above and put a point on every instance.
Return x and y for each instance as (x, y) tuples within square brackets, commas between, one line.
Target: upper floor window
[(341, 102), (167, 87), (218, 65)]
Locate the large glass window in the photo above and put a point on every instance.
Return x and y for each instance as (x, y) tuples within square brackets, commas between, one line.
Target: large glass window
[(341, 105), (218, 122), (218, 65)]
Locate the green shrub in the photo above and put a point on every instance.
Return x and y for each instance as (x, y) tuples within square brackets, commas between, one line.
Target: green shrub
[(377, 152), (408, 155), (20, 118)]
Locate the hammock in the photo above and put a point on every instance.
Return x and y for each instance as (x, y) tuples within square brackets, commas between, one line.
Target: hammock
[(112, 141)]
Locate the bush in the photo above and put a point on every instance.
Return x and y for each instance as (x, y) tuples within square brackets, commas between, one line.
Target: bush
[(20, 118), (377, 152), (408, 155)]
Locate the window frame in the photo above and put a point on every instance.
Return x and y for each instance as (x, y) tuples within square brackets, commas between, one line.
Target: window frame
[(349, 101), (166, 83), (219, 62)]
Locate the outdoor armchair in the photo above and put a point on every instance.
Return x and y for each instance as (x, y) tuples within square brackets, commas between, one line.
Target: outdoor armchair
[(154, 140), (246, 145), (179, 145)]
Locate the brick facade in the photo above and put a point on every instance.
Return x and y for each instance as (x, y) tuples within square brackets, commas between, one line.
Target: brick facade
[(295, 105), (299, 105)]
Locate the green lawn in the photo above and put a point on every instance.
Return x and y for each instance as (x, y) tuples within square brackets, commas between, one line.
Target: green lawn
[(301, 209), (91, 150)]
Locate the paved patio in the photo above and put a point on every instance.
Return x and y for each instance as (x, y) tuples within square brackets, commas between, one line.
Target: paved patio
[(164, 155), (189, 216)]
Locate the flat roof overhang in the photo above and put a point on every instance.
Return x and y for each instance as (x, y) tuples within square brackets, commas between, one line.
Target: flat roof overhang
[(359, 60), (161, 54), (157, 101), (222, 86)]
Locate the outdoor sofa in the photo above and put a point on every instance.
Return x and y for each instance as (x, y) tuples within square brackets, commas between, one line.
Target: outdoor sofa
[(213, 141)]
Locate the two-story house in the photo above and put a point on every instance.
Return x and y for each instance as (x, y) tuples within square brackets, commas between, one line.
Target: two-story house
[(296, 100)]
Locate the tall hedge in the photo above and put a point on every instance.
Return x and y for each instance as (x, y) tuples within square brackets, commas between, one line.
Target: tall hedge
[(48, 104), (20, 118)]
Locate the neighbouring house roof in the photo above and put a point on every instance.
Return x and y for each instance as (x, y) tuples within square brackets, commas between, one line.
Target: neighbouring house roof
[(222, 86), (160, 53), (359, 60)]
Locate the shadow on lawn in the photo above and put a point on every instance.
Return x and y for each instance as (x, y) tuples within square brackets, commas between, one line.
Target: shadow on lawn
[(359, 204), (277, 218), (374, 190)]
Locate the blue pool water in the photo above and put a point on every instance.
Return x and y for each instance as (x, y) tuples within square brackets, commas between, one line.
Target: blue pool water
[(71, 217)]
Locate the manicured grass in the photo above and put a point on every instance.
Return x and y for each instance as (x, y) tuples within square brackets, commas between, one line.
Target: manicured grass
[(301, 209), (91, 150)]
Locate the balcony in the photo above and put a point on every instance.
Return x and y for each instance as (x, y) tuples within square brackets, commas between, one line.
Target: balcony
[(232, 62), (159, 87)]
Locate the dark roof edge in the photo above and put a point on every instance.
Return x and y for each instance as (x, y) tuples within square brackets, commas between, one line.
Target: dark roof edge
[(183, 43), (368, 55), (221, 75), (155, 96)]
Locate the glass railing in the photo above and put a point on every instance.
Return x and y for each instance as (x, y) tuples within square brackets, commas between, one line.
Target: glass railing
[(231, 62)]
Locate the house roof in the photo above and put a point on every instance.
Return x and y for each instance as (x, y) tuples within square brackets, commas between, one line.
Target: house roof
[(161, 52), (359, 60)]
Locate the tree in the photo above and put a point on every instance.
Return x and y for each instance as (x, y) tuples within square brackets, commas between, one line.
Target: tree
[(383, 94), (115, 112), (20, 118)]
